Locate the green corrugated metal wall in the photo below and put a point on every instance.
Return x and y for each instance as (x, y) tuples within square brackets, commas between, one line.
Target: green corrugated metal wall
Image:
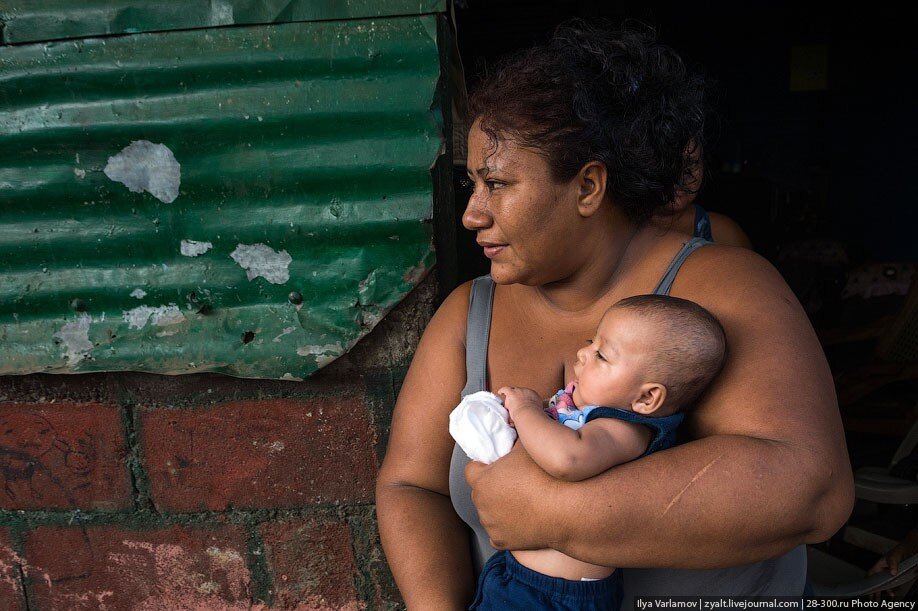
[(43, 20), (287, 199)]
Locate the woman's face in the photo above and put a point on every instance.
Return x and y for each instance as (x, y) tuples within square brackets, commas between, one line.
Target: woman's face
[(524, 220)]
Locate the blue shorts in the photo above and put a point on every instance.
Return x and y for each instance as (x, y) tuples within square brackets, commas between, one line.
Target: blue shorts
[(504, 583)]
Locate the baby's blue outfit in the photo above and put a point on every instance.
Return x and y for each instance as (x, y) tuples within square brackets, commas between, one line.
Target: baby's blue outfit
[(664, 429), (505, 585)]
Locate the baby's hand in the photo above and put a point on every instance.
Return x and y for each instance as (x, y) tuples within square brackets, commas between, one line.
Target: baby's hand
[(516, 399)]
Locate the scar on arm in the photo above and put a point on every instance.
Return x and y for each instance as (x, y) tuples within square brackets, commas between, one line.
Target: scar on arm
[(689, 485)]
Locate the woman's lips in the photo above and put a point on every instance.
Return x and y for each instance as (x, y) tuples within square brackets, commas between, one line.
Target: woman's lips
[(491, 250)]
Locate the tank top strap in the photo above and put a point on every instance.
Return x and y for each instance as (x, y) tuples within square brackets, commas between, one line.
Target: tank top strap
[(666, 282), (477, 330), (703, 224)]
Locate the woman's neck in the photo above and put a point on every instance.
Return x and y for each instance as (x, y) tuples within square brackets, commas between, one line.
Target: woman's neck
[(606, 254)]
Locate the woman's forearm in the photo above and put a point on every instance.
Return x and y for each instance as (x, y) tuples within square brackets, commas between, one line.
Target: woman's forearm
[(427, 547), (720, 501), (716, 502)]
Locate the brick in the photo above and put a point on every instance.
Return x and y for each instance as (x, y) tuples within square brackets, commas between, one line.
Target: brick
[(385, 593), (11, 597), (312, 564), (166, 569), (259, 454), (63, 456)]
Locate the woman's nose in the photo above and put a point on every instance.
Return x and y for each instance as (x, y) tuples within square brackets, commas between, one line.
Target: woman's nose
[(476, 215)]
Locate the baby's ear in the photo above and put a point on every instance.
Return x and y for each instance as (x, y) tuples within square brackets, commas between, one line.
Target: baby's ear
[(652, 397)]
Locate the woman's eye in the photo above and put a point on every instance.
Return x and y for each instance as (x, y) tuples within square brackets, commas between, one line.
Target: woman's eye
[(600, 356), (493, 184)]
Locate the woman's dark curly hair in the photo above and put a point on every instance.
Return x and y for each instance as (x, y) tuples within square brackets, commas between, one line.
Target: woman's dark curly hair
[(613, 96)]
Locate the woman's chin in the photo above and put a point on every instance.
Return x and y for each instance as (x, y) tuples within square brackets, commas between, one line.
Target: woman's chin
[(504, 274)]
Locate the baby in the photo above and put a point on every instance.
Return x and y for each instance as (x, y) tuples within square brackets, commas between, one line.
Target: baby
[(651, 358)]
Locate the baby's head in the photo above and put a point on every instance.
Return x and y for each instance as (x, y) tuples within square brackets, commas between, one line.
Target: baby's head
[(652, 354)]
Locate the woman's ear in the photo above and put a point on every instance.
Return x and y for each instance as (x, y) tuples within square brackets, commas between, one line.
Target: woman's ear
[(652, 398), (591, 181)]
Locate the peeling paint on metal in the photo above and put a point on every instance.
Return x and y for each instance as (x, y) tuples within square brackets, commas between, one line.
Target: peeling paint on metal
[(286, 331), (262, 260), (221, 13), (365, 287), (159, 316), (323, 354), (370, 317), (191, 248), (74, 336), (241, 182), (145, 166), (314, 350), (30, 21), (414, 275)]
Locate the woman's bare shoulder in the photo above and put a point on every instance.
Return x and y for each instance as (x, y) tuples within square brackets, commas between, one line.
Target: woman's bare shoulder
[(451, 317), (730, 275)]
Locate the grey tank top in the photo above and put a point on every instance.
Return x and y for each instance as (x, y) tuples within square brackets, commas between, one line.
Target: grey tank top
[(781, 576)]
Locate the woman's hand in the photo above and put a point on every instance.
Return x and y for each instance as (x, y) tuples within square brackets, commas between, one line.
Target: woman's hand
[(508, 489)]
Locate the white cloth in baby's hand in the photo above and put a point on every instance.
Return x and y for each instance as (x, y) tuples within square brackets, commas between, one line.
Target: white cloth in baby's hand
[(480, 424)]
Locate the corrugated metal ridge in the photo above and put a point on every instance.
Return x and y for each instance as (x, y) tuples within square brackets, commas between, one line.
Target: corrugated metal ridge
[(311, 140), (25, 21)]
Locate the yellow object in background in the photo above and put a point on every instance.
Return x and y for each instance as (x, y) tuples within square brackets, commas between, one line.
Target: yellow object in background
[(809, 69)]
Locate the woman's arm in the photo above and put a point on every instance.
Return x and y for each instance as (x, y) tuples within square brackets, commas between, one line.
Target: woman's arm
[(565, 453), (768, 471), (426, 544)]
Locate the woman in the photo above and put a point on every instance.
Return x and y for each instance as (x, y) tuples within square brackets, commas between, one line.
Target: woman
[(575, 146), (685, 216)]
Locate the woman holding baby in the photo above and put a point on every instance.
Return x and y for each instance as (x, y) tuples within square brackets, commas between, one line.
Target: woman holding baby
[(574, 147)]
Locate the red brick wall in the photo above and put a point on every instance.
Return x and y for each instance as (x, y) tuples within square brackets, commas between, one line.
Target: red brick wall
[(137, 491)]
